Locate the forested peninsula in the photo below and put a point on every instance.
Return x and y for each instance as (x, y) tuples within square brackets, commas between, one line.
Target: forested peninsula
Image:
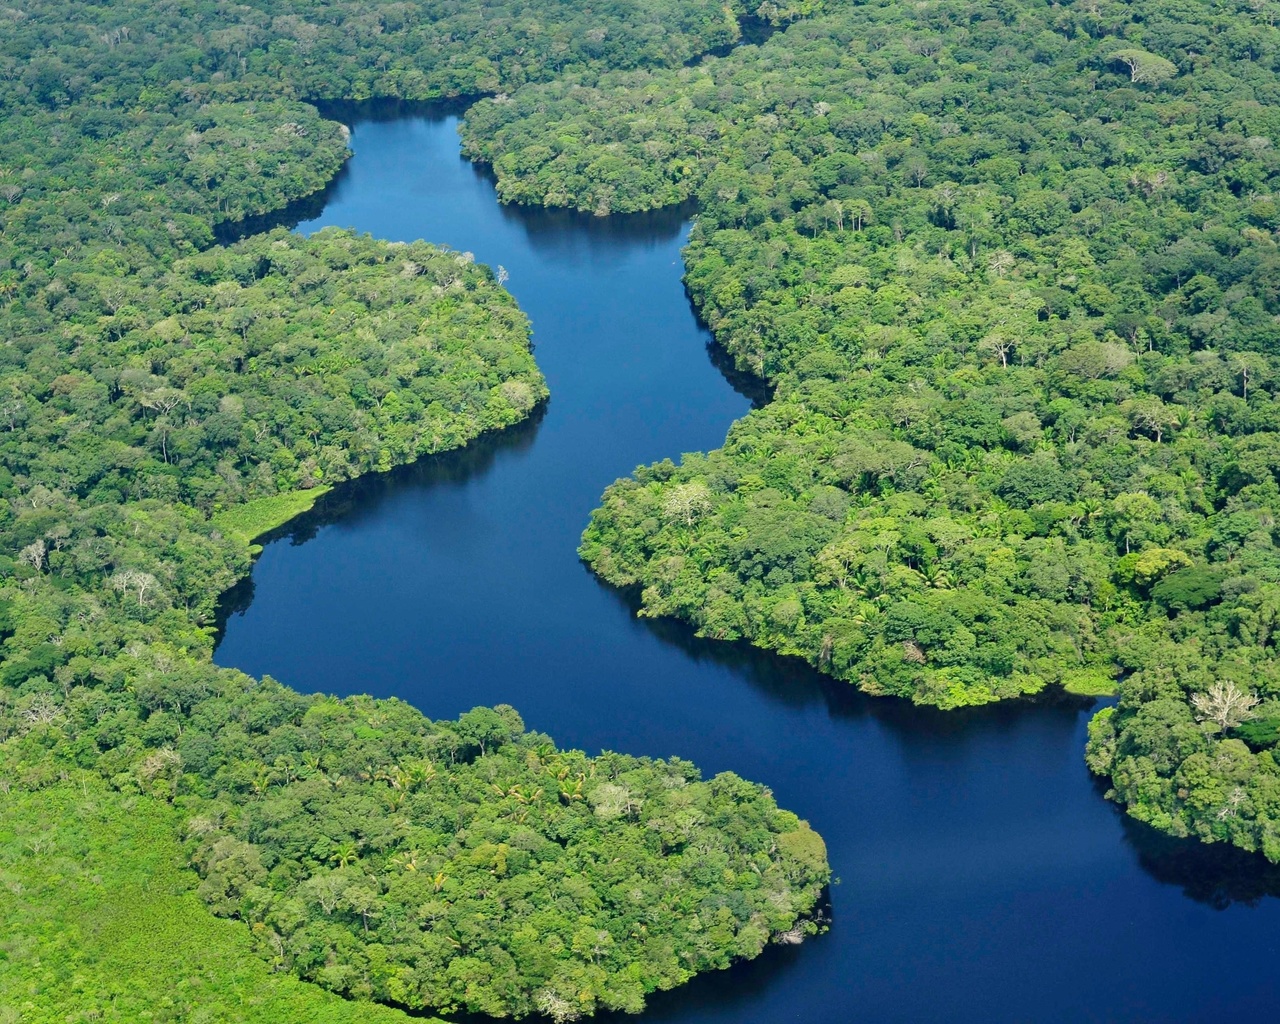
[(165, 401), (1011, 272)]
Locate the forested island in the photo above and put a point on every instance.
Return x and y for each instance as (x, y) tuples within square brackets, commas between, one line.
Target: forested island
[(1009, 271)]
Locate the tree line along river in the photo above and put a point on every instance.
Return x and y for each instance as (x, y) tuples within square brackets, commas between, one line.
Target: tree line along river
[(982, 876)]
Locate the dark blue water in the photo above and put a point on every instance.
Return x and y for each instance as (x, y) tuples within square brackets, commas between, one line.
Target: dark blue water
[(983, 877)]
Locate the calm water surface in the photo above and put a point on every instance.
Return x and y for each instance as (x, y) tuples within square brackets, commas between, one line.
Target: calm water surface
[(983, 878)]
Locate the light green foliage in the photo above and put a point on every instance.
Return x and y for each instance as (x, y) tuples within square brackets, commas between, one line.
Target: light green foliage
[(258, 373), (260, 516), (313, 359), (433, 865), (1144, 66), (101, 923), (1086, 683)]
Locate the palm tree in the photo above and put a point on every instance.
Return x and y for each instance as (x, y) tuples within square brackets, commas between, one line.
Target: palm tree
[(1087, 511), (344, 855), (935, 577), (262, 781), (286, 768), (569, 795)]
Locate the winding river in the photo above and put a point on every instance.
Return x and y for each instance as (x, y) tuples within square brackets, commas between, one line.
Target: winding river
[(984, 879)]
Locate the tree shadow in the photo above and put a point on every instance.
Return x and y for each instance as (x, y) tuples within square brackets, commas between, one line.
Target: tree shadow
[(756, 390), (742, 986), (353, 112), (306, 208), (348, 112), (559, 231), (755, 32), (793, 682), (354, 501), (1215, 874)]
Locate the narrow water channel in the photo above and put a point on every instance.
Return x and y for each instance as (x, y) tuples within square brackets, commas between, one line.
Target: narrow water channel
[(983, 877)]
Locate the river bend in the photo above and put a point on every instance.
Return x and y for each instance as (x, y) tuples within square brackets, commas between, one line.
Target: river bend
[(983, 877)]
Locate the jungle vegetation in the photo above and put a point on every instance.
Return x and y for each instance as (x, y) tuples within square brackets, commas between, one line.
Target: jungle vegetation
[(446, 865), (163, 402), (1011, 270), (102, 922)]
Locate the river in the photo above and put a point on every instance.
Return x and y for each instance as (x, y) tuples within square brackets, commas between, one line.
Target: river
[(982, 876)]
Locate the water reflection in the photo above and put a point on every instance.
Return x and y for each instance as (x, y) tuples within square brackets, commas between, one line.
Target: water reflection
[(731, 992), (289, 216), (789, 681), (1214, 874), (354, 501), (384, 111), (748, 385)]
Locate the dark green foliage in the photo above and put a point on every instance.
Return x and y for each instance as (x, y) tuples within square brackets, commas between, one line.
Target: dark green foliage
[(277, 364), (1188, 589), (313, 360), (1261, 733)]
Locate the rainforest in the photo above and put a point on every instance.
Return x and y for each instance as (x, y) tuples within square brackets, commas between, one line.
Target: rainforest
[(999, 279)]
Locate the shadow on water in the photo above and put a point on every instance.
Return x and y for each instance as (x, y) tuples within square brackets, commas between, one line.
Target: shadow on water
[(358, 500), (1214, 874), (549, 230), (733, 990), (383, 111), (545, 227), (307, 208), (754, 389), (736, 989), (288, 216), (1217, 875), (791, 682)]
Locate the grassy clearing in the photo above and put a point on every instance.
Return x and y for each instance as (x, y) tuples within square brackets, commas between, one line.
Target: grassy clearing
[(255, 518), (99, 921), (1089, 683)]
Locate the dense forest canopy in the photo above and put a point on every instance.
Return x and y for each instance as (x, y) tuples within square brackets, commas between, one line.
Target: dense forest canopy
[(163, 402), (101, 922), (1009, 268), (431, 865), (1012, 270)]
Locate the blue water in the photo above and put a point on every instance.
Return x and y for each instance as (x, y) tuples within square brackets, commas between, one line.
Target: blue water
[(983, 877)]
